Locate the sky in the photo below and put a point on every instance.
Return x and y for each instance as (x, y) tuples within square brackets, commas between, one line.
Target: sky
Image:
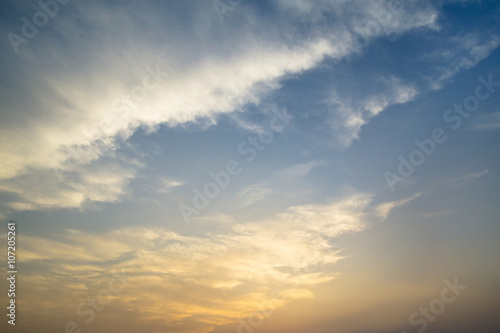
[(251, 166)]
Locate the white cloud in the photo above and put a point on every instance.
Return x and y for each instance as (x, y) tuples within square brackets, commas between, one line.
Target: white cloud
[(384, 209), (398, 93), (463, 179), (167, 184), (487, 122), (333, 219), (73, 89), (254, 193), (217, 218), (464, 52), (298, 171), (349, 115), (46, 189)]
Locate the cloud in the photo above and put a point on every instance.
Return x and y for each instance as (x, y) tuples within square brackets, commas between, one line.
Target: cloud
[(348, 114), (384, 209), (49, 189), (434, 214), (141, 66), (333, 219), (290, 181), (167, 184), (398, 93), (487, 122), (461, 53), (463, 179), (254, 193), (298, 171), (82, 120), (217, 218), (180, 279), (350, 111)]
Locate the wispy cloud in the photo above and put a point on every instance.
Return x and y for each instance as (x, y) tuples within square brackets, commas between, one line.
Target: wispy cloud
[(217, 218), (254, 193), (348, 115), (435, 214), (66, 113), (46, 189), (487, 122), (289, 252), (463, 52), (463, 179), (298, 171), (383, 210), (167, 184)]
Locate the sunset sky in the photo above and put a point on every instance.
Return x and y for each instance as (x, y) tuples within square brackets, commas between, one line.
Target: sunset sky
[(251, 166)]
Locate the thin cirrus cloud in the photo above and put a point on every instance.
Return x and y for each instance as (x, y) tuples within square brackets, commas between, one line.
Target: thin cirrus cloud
[(168, 184), (254, 193), (45, 190), (348, 115), (460, 53), (462, 179), (487, 122), (384, 209), (287, 181)]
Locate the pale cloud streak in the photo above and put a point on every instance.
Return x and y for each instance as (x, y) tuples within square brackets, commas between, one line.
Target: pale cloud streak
[(168, 184), (349, 115), (254, 193), (76, 188), (383, 210), (464, 53), (487, 122), (463, 179)]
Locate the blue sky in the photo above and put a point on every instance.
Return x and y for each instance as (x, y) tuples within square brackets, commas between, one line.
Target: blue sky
[(116, 115)]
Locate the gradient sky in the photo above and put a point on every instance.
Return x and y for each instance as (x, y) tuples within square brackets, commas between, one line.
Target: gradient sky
[(116, 115)]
